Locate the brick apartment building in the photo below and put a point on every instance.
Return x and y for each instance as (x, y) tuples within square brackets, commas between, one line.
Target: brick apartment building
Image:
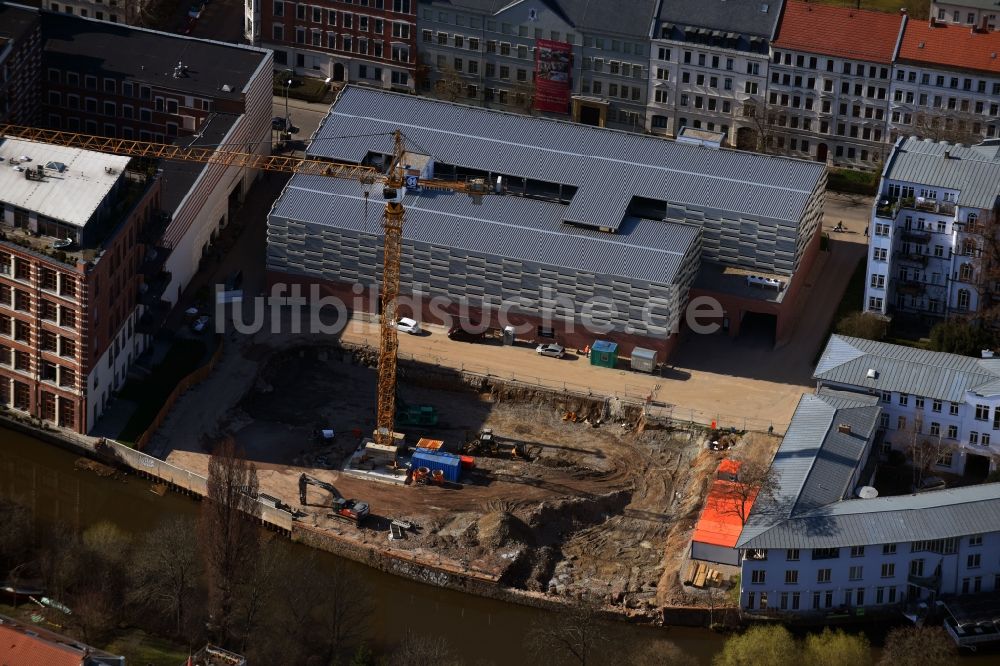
[(71, 247), (110, 79), (367, 41)]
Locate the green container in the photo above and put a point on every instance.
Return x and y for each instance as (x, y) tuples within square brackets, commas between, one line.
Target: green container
[(604, 354)]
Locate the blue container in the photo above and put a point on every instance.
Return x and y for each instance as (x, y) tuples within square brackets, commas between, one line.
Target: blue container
[(449, 463)]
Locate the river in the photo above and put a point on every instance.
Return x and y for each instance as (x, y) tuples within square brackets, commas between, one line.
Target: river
[(42, 476)]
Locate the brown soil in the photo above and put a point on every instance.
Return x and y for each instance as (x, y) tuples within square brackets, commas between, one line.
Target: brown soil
[(600, 509)]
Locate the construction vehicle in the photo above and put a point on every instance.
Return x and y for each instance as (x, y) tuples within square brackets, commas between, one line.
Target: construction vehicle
[(486, 443), (393, 191), (351, 510)]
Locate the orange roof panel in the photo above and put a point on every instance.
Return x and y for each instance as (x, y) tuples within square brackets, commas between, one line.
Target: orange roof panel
[(842, 32), (951, 45), (20, 649), (719, 523)]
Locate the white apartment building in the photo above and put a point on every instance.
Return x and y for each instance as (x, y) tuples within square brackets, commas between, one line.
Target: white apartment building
[(709, 66), (828, 98), (924, 241), (967, 12), (946, 83), (817, 547), (115, 11), (951, 400), (491, 48)]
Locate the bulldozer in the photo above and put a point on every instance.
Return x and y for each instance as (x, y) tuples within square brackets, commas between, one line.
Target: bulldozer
[(487, 444)]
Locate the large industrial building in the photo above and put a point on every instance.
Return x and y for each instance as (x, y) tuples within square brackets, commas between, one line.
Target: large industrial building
[(583, 224)]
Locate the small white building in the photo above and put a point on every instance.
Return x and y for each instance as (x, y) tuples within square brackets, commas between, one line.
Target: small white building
[(967, 12)]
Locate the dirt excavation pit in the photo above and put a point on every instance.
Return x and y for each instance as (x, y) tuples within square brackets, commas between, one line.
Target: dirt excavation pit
[(592, 512)]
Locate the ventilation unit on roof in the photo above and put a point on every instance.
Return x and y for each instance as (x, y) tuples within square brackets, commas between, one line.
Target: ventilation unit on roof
[(872, 374), (764, 7), (56, 166), (227, 88)]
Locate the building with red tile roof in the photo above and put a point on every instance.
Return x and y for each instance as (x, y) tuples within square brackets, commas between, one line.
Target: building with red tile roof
[(959, 47), (22, 645), (842, 32)]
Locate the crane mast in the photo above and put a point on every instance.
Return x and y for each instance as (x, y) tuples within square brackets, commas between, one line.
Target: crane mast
[(393, 191)]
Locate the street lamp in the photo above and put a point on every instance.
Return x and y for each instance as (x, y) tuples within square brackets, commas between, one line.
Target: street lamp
[(288, 122)]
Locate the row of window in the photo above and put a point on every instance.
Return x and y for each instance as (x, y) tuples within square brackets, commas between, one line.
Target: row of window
[(953, 82), (347, 20)]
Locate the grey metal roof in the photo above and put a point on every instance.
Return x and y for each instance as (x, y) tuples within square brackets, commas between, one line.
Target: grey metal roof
[(816, 463), (939, 514), (901, 369), (608, 167), (741, 16), (974, 171), (506, 226), (624, 17)]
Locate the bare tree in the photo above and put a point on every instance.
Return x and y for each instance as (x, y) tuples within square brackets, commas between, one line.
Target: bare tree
[(945, 127), (755, 481), (928, 646), (228, 533), (763, 121), (16, 539), (925, 449), (259, 588), (165, 572), (576, 635), (984, 256), (523, 94), (449, 85), (416, 650)]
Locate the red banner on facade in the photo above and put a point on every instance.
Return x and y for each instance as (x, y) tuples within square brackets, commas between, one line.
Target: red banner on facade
[(553, 68)]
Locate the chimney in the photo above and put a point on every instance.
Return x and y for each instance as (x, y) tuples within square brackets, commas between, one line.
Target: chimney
[(902, 10), (984, 24), (947, 154), (844, 428)]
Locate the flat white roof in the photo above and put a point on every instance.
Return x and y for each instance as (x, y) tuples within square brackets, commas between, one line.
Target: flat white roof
[(71, 196)]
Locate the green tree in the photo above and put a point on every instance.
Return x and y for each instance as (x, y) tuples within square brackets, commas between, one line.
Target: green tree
[(836, 648), (927, 646), (863, 325), (762, 644), (958, 336)]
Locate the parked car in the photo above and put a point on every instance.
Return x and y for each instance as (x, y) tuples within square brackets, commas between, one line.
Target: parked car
[(407, 325), (279, 123), (929, 483), (553, 350), (460, 334)]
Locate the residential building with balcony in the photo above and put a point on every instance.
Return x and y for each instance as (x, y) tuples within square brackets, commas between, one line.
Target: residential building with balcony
[(946, 83), (830, 75), (484, 52), (371, 42), (73, 240), (982, 13), (709, 67), (826, 543), (926, 225)]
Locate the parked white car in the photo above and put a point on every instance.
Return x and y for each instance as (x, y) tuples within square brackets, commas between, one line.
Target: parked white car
[(407, 325), (553, 350)]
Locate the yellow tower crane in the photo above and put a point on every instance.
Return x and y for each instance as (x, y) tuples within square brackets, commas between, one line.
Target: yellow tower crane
[(393, 181)]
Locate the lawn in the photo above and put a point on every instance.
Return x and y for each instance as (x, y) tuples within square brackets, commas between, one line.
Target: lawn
[(151, 393), (138, 647), (305, 88)]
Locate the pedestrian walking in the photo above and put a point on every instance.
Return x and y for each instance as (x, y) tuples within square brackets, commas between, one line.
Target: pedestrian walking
[(866, 231)]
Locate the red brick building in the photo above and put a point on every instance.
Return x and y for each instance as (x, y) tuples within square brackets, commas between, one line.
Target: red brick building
[(362, 41), (71, 250)]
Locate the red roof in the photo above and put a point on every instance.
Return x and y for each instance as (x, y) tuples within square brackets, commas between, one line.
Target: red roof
[(720, 523), (951, 45), (728, 466), (842, 32), (20, 649)]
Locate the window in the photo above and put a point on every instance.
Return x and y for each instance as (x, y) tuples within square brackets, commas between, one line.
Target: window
[(857, 551), (791, 577), (901, 423), (904, 399), (823, 576), (792, 554), (889, 569), (976, 540), (855, 573), (973, 561), (953, 432), (982, 412), (758, 576), (936, 406)]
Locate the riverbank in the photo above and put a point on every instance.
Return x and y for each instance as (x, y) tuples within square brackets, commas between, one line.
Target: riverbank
[(422, 565)]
